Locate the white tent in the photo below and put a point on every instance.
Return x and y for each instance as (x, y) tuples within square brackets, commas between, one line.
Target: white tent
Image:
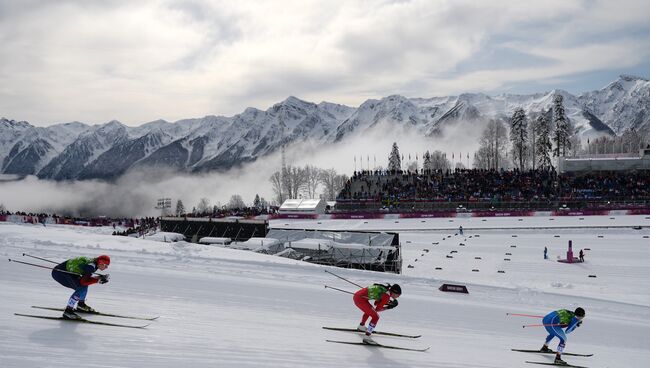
[(306, 206)]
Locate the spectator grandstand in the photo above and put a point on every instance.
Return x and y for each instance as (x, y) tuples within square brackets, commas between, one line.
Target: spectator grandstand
[(462, 189)]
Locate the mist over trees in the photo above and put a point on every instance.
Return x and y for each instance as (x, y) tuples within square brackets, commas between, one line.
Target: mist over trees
[(306, 182)]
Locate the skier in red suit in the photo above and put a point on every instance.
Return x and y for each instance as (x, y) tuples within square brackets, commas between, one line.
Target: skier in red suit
[(385, 297)]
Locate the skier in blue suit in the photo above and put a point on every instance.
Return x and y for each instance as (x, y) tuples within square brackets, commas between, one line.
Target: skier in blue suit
[(558, 324)]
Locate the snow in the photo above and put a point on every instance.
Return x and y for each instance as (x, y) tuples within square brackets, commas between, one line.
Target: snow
[(222, 307)]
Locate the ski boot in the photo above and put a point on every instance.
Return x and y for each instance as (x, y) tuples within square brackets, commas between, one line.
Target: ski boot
[(367, 339), (83, 307), (362, 328), (69, 313), (559, 361), (545, 349)]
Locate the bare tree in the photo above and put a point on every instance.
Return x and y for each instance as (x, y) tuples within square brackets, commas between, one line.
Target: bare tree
[(235, 202), (276, 184), (333, 183), (312, 180), (294, 180), (203, 206), (492, 146), (439, 161)]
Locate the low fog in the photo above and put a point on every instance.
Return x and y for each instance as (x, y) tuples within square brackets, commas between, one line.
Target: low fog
[(135, 193)]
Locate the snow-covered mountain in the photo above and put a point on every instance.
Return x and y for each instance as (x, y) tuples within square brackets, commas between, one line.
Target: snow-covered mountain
[(78, 151)]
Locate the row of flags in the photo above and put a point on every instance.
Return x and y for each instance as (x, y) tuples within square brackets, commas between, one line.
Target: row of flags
[(460, 155)]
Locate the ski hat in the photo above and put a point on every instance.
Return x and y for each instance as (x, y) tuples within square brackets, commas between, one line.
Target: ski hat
[(579, 312), (103, 259), (396, 289)]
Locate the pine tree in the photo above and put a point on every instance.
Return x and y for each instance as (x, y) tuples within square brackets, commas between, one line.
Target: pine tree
[(394, 161), (543, 144), (426, 165), (519, 138), (180, 208), (257, 203), (562, 128)]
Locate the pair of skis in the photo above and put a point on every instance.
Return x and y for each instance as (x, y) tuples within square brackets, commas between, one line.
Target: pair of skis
[(381, 333), (552, 352), (87, 321)]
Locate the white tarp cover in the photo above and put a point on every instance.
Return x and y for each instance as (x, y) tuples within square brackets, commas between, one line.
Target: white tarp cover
[(213, 240), (354, 247)]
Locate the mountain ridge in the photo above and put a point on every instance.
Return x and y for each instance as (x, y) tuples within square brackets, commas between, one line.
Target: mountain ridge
[(76, 150)]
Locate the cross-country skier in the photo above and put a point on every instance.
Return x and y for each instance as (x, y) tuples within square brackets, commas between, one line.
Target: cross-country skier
[(382, 295), (84, 267), (554, 323)]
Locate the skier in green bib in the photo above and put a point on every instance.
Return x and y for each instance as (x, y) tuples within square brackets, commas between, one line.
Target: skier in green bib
[(78, 275)]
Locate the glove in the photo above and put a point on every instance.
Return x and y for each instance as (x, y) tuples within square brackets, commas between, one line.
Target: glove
[(103, 278), (391, 304), (579, 323)]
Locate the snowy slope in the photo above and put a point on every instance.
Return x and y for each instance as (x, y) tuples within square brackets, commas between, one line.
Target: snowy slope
[(228, 308)]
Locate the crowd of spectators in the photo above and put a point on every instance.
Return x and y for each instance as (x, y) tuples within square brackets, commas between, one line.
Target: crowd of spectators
[(139, 226), (234, 212), (475, 185)]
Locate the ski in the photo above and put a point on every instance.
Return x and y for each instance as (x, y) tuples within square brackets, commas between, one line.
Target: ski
[(558, 365), (376, 345), (99, 313), (550, 352), (81, 320), (374, 333)]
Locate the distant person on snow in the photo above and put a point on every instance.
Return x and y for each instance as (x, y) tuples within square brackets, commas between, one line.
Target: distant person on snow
[(84, 267), (582, 256), (554, 323), (545, 253), (382, 294), (460, 230)]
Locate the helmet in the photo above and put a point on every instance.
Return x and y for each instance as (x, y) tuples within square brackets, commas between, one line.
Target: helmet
[(103, 259), (396, 289), (579, 312)]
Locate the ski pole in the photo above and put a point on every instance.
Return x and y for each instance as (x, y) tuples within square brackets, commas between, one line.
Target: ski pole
[(42, 259), (344, 279), (542, 325), (49, 268), (337, 289), (341, 290), (523, 315)]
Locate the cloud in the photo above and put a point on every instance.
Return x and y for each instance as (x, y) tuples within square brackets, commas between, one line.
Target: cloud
[(140, 61)]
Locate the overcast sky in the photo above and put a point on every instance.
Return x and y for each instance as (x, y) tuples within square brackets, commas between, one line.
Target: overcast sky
[(138, 61)]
